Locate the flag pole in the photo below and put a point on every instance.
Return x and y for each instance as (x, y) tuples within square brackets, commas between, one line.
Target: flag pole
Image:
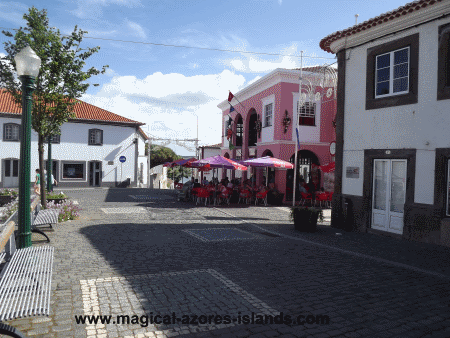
[(296, 129)]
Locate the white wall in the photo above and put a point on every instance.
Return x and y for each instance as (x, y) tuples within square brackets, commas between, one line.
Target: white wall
[(117, 141), (423, 126)]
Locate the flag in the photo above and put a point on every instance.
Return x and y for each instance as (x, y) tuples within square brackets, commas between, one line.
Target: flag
[(298, 139), (231, 146), (230, 96), (231, 108)]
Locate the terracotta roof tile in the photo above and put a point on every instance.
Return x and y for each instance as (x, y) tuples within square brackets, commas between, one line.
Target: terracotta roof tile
[(326, 42), (82, 110)]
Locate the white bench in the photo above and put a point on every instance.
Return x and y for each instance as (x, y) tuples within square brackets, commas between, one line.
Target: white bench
[(41, 217), (25, 280)]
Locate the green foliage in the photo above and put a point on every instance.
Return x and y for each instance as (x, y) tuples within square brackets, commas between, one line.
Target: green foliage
[(178, 173), (160, 155), (62, 75), (52, 196), (8, 192), (306, 211)]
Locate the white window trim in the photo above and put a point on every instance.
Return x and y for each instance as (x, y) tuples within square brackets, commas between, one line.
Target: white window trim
[(266, 115), (391, 73), (265, 102)]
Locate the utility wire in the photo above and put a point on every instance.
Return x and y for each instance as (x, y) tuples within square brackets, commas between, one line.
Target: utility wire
[(192, 47)]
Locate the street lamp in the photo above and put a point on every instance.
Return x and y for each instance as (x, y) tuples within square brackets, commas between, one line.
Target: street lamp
[(27, 66)]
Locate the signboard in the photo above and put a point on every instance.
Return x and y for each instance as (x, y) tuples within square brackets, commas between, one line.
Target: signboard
[(122, 159), (352, 172), (110, 162)]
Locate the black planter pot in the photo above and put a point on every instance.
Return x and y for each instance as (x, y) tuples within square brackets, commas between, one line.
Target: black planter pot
[(305, 220), (57, 200), (5, 199)]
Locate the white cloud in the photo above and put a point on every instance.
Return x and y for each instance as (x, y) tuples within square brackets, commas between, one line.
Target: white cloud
[(280, 2), (93, 9), (170, 103), (136, 29)]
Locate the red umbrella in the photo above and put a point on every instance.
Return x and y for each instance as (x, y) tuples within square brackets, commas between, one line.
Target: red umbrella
[(328, 168)]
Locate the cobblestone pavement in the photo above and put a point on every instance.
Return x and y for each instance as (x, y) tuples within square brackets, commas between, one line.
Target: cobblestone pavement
[(137, 252)]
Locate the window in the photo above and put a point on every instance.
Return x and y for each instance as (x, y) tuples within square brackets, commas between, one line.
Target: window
[(444, 63), (268, 109), (11, 132), (73, 170), (95, 137), (306, 114), (392, 73), (55, 139), (239, 132)]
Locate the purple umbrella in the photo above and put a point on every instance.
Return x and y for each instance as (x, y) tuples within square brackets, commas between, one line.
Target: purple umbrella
[(268, 161), (219, 162)]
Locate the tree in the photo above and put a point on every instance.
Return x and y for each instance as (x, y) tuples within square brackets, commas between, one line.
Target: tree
[(160, 155), (178, 172), (61, 80)]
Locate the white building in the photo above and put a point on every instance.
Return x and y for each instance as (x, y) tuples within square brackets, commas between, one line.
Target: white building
[(86, 153), (393, 145)]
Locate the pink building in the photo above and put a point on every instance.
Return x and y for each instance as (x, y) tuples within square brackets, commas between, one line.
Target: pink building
[(262, 124)]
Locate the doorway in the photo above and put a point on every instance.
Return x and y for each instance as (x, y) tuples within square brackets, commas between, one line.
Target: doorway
[(11, 173), (389, 191), (95, 173)]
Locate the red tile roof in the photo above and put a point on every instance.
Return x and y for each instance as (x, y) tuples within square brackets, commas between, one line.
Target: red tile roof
[(82, 110), (378, 20)]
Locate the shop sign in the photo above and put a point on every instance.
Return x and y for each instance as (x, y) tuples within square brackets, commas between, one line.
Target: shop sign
[(352, 172)]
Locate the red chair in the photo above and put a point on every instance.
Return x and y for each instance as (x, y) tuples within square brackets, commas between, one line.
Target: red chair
[(245, 195), (330, 198), (306, 197), (178, 185), (322, 198), (261, 196), (202, 193), (194, 192), (225, 195)]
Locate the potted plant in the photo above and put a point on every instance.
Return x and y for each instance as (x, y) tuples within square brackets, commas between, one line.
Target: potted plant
[(7, 196), (57, 198), (305, 218)]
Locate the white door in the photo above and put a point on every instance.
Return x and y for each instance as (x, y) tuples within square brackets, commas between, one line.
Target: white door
[(11, 173), (389, 190)]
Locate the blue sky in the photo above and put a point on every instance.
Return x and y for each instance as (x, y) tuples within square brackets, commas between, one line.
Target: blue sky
[(167, 87)]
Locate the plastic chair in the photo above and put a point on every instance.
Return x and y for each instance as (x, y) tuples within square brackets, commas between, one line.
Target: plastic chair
[(202, 193), (306, 197), (322, 198), (225, 195), (245, 195), (330, 198), (194, 192), (261, 196)]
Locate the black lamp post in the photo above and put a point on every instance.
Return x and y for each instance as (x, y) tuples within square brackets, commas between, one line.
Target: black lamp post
[(27, 66)]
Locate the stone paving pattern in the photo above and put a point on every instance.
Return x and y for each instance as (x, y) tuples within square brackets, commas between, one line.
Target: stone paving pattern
[(133, 263)]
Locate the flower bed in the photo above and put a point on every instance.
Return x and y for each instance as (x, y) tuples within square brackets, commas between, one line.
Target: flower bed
[(67, 210), (7, 196)]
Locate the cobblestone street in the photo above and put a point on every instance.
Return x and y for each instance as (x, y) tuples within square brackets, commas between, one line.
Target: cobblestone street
[(140, 252)]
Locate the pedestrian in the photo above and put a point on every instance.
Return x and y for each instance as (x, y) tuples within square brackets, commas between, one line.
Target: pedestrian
[(37, 183)]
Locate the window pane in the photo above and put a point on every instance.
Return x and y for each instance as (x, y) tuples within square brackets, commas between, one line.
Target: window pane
[(382, 88), (400, 70), (383, 61), (7, 168), (380, 185), (401, 85), (73, 170), (15, 168), (383, 74), (98, 137), (401, 56), (15, 132)]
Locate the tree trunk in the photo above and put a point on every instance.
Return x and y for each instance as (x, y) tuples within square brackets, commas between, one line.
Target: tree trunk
[(41, 171)]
